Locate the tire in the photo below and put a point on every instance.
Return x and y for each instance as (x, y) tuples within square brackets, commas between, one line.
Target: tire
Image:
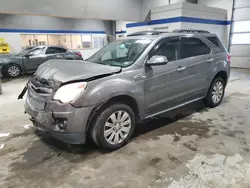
[(12, 71), (106, 122), (214, 97)]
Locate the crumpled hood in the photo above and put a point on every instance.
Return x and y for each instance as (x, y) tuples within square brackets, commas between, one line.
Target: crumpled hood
[(64, 71)]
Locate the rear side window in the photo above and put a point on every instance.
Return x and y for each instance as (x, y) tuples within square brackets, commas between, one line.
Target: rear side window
[(190, 47), (63, 50), (216, 42), (54, 50)]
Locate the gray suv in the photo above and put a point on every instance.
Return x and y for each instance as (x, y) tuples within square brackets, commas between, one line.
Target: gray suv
[(124, 83), (30, 58)]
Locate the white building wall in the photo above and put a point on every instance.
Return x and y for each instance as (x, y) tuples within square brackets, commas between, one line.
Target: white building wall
[(224, 4), (121, 28), (160, 27), (211, 13), (168, 11), (82, 9), (240, 46), (150, 4), (121, 25), (136, 29), (219, 30), (187, 16)]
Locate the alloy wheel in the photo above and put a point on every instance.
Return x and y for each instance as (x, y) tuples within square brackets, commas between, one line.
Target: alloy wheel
[(217, 92), (13, 71), (117, 127)]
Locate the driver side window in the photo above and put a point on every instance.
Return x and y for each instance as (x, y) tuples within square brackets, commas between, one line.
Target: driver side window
[(167, 48)]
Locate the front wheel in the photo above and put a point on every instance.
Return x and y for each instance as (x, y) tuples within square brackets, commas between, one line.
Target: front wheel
[(12, 71), (113, 127), (216, 93)]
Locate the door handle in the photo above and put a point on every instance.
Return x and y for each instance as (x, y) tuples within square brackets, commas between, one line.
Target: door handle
[(210, 60), (181, 68)]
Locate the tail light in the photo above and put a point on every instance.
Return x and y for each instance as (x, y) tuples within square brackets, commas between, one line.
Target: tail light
[(78, 53), (228, 58)]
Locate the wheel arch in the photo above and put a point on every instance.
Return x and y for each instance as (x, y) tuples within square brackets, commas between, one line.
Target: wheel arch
[(223, 75), (124, 99)]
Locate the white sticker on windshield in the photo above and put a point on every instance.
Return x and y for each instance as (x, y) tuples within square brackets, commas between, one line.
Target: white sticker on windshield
[(127, 62), (143, 41)]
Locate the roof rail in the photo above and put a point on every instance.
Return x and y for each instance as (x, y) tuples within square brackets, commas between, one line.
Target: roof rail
[(189, 31), (145, 33)]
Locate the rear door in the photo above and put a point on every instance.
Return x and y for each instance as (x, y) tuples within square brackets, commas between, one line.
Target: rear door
[(34, 58), (194, 64), (55, 53)]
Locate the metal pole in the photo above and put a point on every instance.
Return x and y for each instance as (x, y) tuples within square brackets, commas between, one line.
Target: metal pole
[(231, 27)]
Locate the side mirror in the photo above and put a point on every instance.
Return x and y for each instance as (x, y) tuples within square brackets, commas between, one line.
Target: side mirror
[(27, 55), (157, 60)]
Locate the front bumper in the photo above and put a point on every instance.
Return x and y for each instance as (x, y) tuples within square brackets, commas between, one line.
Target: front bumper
[(47, 120)]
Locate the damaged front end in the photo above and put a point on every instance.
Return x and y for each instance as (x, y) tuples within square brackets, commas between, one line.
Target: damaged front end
[(42, 86), (49, 95)]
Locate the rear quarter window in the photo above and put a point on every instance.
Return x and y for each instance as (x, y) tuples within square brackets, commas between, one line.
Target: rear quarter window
[(218, 45), (63, 50), (191, 47)]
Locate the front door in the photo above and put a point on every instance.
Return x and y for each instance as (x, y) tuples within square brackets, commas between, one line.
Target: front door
[(161, 81), (34, 58)]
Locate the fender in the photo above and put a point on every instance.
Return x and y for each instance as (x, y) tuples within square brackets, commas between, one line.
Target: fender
[(215, 69), (97, 94)]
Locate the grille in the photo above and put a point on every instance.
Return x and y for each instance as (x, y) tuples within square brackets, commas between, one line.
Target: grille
[(40, 86)]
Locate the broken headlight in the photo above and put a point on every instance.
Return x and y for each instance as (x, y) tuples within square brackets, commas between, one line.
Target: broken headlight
[(70, 92)]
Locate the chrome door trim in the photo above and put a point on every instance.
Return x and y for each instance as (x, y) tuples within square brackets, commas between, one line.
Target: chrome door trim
[(175, 107)]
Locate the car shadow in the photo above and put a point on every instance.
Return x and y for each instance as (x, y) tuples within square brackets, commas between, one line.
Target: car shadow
[(7, 79), (168, 118), (141, 129)]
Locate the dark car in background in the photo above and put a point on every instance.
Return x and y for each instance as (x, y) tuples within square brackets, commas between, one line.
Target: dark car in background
[(32, 57)]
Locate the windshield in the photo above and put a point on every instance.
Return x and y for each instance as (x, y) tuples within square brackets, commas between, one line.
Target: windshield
[(120, 53), (25, 50)]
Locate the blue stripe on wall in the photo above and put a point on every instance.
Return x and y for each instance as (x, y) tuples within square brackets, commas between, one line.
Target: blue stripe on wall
[(137, 24), (120, 32), (205, 21), (179, 19), (50, 31)]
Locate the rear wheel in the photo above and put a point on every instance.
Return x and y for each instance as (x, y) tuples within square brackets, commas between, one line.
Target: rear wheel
[(12, 71), (113, 127), (216, 93)]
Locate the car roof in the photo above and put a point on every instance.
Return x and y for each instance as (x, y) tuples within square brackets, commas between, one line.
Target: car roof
[(57, 46), (153, 37), (149, 32)]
